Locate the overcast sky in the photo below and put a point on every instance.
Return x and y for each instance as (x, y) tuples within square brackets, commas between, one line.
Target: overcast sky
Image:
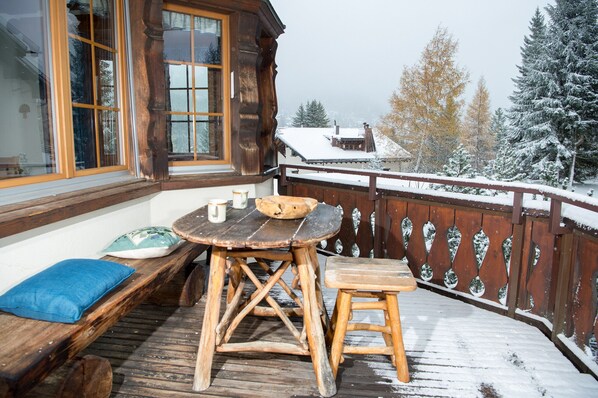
[(349, 54)]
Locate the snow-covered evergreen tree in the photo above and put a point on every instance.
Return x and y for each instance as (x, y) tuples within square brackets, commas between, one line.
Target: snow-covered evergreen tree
[(312, 114), (459, 165), (504, 167), (375, 163), (499, 128), (573, 100), (316, 115), (299, 120), (531, 134), (554, 116)]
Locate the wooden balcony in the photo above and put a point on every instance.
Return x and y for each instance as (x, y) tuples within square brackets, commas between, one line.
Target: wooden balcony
[(453, 349), (528, 253), (508, 323)]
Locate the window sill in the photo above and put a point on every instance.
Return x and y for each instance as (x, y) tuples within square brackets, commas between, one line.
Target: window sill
[(29, 214), (26, 215)]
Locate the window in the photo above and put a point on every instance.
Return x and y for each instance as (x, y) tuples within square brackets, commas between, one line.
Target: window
[(93, 58), (27, 141), (61, 101), (197, 90)]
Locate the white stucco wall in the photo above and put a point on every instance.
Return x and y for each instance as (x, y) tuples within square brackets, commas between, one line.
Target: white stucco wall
[(27, 253), (167, 206)]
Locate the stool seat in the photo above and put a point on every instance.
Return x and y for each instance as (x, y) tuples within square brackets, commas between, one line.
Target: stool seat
[(369, 274), (382, 279)]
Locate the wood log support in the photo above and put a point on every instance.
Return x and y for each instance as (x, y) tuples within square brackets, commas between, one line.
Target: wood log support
[(89, 376)]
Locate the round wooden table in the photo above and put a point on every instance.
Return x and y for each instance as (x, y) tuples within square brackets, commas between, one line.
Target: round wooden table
[(247, 233)]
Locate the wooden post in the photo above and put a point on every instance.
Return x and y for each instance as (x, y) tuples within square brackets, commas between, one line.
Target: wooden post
[(515, 267), (563, 285), (380, 230), (207, 342)]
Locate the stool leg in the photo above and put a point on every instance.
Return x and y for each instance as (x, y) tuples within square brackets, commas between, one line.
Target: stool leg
[(397, 337), (386, 336), (330, 331), (343, 310)]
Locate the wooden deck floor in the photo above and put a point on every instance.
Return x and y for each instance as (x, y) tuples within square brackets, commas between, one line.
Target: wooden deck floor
[(453, 349)]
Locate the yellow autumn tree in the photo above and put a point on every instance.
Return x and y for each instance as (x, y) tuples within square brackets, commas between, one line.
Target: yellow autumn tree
[(477, 136), (426, 109)]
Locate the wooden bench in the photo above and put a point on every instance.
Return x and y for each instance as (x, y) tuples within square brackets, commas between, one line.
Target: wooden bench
[(30, 350)]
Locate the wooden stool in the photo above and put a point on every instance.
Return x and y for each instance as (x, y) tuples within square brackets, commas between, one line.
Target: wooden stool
[(372, 278)]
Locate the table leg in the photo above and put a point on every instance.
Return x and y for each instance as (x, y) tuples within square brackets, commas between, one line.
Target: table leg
[(313, 255), (311, 318), (207, 342)]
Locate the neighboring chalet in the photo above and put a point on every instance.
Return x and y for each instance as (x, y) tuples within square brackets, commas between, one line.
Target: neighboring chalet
[(343, 147)]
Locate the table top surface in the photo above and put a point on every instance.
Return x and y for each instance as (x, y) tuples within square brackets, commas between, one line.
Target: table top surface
[(248, 228)]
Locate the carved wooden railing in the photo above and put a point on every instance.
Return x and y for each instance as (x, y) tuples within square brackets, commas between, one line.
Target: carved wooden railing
[(524, 253)]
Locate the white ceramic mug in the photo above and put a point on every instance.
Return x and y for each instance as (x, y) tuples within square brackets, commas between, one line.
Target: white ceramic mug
[(217, 210), (240, 198)]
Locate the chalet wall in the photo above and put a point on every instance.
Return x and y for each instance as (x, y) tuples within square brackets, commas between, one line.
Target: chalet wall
[(254, 28), (28, 253), (167, 206)]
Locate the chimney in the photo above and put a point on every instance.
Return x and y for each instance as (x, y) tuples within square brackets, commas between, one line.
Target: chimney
[(337, 128), (370, 144)]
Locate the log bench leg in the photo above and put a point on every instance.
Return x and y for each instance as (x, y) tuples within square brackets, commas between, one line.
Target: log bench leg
[(89, 376), (400, 359)]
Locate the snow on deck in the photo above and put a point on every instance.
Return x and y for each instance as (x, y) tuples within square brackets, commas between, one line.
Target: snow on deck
[(455, 349)]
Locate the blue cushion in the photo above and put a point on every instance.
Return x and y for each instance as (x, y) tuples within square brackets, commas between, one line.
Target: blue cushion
[(145, 242), (64, 291)]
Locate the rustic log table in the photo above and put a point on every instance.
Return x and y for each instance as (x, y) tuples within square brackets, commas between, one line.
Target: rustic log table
[(247, 233)]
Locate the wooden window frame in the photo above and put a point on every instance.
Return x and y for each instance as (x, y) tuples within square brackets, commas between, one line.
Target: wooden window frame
[(61, 101), (226, 87)]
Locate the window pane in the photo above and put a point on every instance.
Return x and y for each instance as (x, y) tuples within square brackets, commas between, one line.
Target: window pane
[(208, 90), (103, 23), (81, 73), (79, 22), (178, 84), (180, 137), (177, 36), (106, 81), (207, 37), (85, 142), (110, 137), (209, 133), (27, 143)]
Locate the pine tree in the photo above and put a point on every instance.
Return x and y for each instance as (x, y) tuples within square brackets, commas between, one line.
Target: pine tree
[(477, 137), (459, 165), (316, 115), (530, 131), (573, 104), (312, 114), (504, 167), (499, 128), (555, 106), (300, 117), (426, 109), (375, 163)]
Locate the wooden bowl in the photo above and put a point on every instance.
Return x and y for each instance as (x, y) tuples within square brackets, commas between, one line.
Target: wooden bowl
[(285, 207)]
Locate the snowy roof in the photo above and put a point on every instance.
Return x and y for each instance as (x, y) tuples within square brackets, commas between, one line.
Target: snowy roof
[(315, 145)]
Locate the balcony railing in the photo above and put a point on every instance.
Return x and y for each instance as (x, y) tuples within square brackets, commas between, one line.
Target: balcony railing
[(529, 252)]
